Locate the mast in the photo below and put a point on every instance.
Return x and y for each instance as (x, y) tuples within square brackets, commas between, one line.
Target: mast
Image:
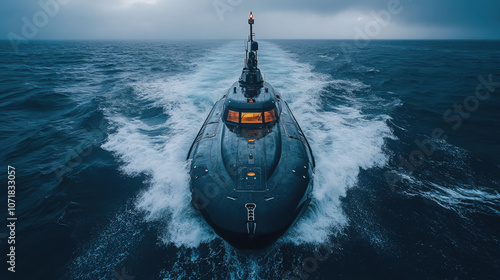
[(254, 46), (250, 38), (251, 21), (251, 76)]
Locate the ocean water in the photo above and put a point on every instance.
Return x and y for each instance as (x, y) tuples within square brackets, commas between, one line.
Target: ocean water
[(406, 136)]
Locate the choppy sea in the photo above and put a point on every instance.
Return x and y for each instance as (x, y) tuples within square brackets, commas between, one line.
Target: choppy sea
[(406, 136)]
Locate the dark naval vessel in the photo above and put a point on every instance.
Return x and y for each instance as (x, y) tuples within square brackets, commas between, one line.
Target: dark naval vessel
[(251, 166)]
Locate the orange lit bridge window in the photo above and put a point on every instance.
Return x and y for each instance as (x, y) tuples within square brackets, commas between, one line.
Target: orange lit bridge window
[(269, 116), (255, 117), (251, 117), (233, 116)]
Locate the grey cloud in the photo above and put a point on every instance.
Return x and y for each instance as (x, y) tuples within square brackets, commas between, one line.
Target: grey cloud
[(191, 19)]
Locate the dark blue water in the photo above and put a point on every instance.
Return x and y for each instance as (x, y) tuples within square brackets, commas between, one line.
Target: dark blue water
[(408, 159)]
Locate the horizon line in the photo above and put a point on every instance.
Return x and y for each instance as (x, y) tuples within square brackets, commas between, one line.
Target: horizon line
[(264, 39)]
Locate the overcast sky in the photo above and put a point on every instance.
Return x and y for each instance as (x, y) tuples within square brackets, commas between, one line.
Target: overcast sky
[(227, 19)]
